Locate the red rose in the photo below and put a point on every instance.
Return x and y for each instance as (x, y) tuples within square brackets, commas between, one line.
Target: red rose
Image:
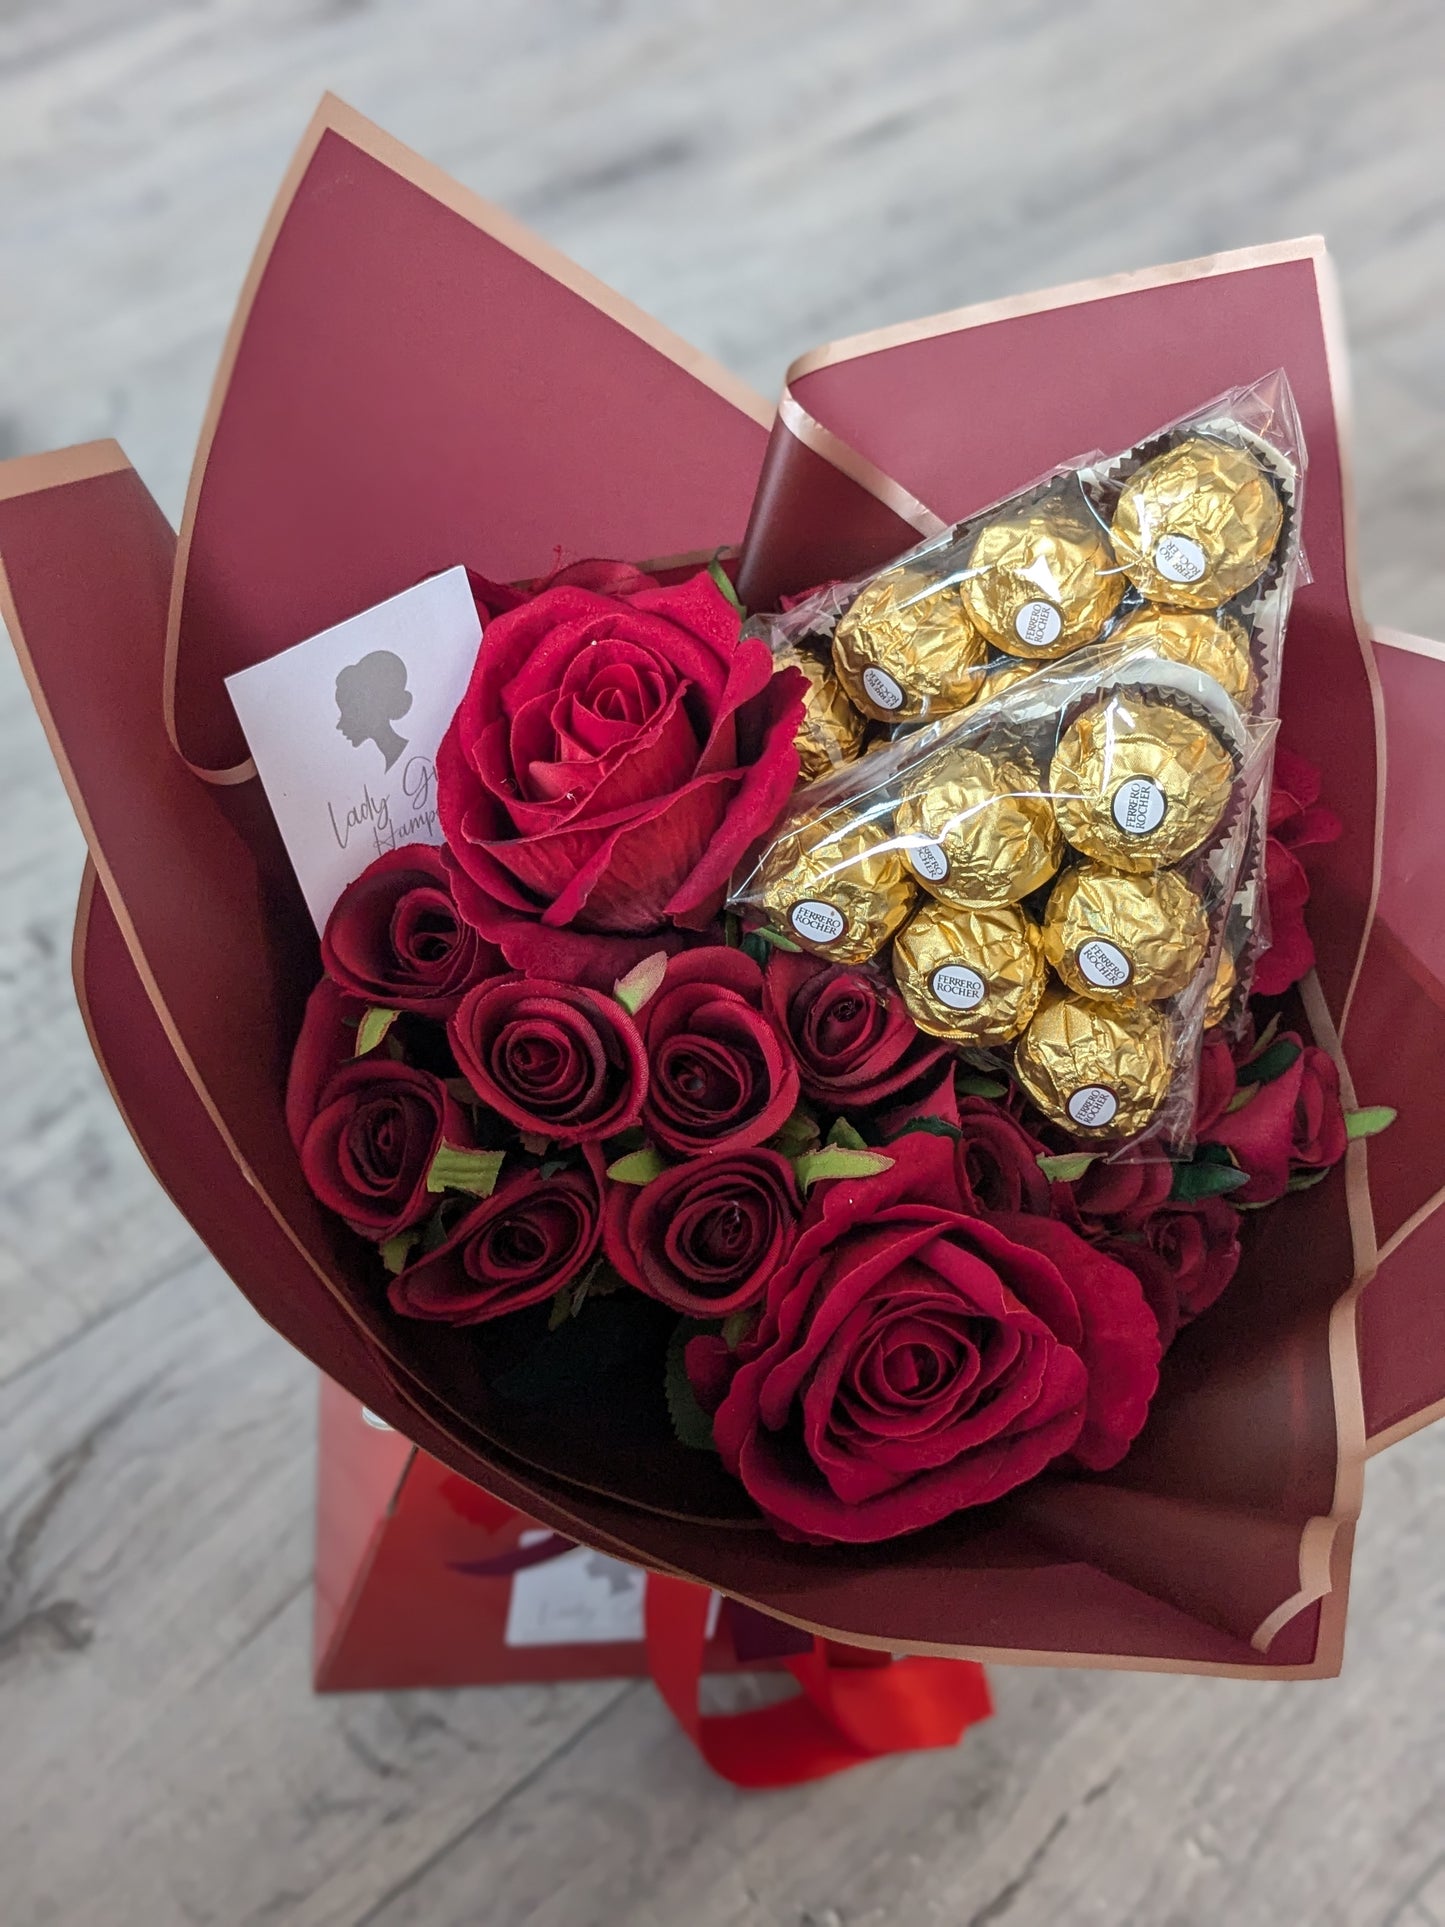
[(326, 1042), (1183, 1254), (368, 1148), (395, 938), (1293, 1123), (1217, 1081), (1106, 1192), (514, 1249), (552, 1058), (720, 1077), (706, 1236), (1297, 819), (914, 1359), (850, 1031), (612, 759), (997, 1160)]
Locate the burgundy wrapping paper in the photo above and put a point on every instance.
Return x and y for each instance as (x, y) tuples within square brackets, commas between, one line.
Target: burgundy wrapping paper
[(1222, 1543)]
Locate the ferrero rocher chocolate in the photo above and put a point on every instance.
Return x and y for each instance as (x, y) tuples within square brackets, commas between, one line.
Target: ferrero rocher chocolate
[(1121, 938), (1221, 991), (1215, 644), (1100, 1070), (1197, 524), (975, 976), (906, 647), (841, 892), (976, 829), (1005, 673), (831, 732), (1042, 582), (1137, 784)]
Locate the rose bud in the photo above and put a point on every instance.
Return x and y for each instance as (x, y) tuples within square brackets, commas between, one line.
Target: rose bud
[(518, 1247), (395, 937), (997, 1161), (1183, 1253), (705, 1236), (914, 1359), (851, 1035), (367, 1151), (554, 1059), (1293, 1123), (613, 757), (721, 1077)]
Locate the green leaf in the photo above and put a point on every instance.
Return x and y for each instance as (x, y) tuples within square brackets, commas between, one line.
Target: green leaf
[(560, 1310), (372, 1029), (972, 1085), (644, 980), (732, 929), (844, 1134), (1265, 1038), (475, 1172), (690, 1422), (1205, 1180), (835, 1162), (395, 1251), (1241, 1097), (724, 582), (774, 940), (1273, 1062), (930, 1127), (736, 1327), (638, 1167), (1067, 1166), (438, 1227), (551, 1167), (1307, 1180), (535, 1144), (796, 1134), (1369, 1122)]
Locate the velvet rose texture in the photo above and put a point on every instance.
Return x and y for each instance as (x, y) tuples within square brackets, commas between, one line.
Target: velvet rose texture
[(612, 759)]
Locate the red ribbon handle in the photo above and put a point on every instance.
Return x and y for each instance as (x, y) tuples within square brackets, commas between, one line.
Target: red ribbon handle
[(843, 1716)]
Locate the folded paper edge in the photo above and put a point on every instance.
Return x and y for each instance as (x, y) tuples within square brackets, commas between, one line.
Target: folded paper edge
[(333, 115), (1011, 307)]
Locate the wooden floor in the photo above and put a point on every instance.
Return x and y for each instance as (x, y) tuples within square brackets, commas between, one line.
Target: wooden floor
[(763, 176)]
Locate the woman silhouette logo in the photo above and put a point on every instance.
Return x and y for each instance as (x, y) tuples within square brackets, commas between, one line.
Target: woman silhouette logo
[(370, 696)]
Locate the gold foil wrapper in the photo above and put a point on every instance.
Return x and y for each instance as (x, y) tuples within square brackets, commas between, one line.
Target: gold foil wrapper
[(1215, 644), (1138, 785), (841, 892), (906, 647), (1221, 990), (976, 829), (1004, 674), (1043, 582), (1197, 524), (1100, 1070), (1122, 938), (973, 976), (832, 730)]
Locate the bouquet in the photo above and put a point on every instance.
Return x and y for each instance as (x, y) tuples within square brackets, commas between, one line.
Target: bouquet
[(694, 1244)]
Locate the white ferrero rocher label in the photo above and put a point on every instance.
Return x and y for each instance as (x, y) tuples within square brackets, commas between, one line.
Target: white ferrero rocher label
[(1038, 624), (1103, 964), (818, 922), (1139, 805), (881, 688), (1092, 1105), (929, 859), (1178, 558), (959, 987)]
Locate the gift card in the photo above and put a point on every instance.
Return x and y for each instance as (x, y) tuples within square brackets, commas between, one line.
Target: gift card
[(344, 729), (580, 1598)]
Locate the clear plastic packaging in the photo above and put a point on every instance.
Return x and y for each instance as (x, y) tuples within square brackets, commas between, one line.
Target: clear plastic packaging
[(1082, 684), (1050, 873)]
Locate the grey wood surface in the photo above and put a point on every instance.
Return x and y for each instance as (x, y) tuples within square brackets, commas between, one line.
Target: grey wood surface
[(762, 176)]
